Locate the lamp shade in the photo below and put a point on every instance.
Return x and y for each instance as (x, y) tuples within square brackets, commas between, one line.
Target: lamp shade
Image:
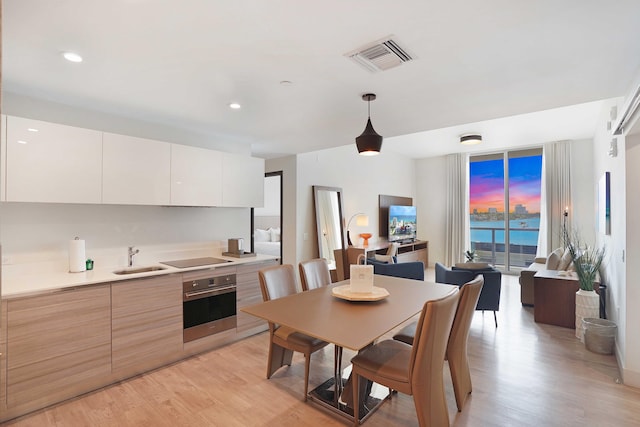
[(362, 220), (369, 142)]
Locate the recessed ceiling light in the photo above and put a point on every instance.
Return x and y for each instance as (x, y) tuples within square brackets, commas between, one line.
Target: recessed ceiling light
[(470, 139), (21, 141), (32, 130), (286, 82), (234, 106), (72, 57)]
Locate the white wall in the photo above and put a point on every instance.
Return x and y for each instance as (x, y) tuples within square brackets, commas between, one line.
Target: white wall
[(623, 297), (290, 235), (271, 198), (583, 190), (631, 371), (431, 201), (47, 227), (362, 180)]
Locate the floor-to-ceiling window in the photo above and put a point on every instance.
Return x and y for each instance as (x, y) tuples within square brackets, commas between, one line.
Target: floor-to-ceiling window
[(507, 182)]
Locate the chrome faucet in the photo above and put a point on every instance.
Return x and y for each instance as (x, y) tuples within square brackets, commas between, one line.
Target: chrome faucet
[(131, 254)]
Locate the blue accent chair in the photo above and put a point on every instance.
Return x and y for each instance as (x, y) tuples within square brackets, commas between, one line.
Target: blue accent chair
[(490, 294)]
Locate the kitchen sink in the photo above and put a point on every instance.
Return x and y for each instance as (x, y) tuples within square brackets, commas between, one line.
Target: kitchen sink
[(134, 270)]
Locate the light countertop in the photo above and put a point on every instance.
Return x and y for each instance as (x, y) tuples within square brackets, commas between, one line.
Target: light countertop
[(32, 281)]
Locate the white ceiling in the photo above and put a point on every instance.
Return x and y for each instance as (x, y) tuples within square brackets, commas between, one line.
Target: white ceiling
[(180, 63)]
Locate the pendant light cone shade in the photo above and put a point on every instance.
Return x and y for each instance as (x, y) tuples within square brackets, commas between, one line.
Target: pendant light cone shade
[(369, 142)]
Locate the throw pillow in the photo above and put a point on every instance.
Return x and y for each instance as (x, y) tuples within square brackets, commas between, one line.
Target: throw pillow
[(565, 260), (275, 234), (260, 235), (553, 260)]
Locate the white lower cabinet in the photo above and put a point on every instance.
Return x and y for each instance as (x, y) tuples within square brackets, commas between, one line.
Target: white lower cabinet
[(49, 162), (248, 293), (59, 346), (147, 323), (135, 171)]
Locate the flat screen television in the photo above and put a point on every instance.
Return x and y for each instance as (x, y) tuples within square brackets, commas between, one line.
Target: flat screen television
[(402, 223)]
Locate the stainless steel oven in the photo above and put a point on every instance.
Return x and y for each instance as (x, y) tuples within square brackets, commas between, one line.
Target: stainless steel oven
[(209, 306)]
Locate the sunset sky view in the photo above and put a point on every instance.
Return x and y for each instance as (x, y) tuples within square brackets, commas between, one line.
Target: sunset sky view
[(487, 184)]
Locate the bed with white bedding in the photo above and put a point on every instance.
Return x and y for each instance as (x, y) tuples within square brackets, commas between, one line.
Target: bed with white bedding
[(266, 235)]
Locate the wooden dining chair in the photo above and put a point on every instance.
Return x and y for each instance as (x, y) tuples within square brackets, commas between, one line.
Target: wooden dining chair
[(457, 344), (277, 282), (415, 370), (314, 273)]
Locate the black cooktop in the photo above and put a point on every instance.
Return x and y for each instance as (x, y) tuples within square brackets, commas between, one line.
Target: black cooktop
[(194, 262)]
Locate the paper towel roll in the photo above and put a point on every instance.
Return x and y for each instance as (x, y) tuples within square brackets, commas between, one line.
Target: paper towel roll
[(76, 256)]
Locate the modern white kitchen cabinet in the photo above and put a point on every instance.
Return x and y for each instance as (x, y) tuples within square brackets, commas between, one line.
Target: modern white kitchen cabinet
[(147, 324), (49, 162), (59, 346), (135, 171), (196, 176), (242, 181)]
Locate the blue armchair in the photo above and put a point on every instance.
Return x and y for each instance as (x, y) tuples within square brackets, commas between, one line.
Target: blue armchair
[(490, 294), (408, 270)]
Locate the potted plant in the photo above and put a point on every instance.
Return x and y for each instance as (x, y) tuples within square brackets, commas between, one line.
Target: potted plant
[(586, 262), (470, 255)]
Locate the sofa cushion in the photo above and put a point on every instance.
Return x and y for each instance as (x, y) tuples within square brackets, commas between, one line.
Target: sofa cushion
[(553, 260), (473, 265), (565, 260)]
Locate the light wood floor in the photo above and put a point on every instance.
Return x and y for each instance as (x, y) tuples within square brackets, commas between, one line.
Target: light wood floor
[(524, 374)]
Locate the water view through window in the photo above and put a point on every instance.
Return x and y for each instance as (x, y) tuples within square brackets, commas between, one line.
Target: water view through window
[(505, 182)]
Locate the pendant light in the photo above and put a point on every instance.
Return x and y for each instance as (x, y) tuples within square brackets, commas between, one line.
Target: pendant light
[(369, 142)]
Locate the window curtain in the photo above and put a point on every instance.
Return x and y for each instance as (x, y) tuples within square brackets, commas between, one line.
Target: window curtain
[(457, 223), (556, 195)]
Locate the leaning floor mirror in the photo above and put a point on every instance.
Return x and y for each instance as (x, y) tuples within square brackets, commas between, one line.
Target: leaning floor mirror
[(328, 204)]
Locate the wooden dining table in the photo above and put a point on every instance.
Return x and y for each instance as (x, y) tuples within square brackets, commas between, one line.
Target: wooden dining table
[(349, 324)]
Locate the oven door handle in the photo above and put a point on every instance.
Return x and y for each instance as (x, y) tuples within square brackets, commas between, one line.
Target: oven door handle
[(206, 292)]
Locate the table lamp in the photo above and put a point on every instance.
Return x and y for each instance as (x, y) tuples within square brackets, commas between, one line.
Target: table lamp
[(362, 220)]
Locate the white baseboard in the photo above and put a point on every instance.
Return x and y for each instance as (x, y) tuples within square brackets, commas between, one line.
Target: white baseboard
[(629, 377)]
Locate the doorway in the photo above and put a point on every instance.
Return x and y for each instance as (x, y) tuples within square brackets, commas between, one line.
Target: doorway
[(266, 222)]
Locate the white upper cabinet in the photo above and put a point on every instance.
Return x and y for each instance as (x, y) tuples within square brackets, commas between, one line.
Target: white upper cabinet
[(242, 181), (196, 176), (136, 171), (48, 162)]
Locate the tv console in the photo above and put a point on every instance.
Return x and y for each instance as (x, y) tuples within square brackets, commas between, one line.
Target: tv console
[(418, 250)]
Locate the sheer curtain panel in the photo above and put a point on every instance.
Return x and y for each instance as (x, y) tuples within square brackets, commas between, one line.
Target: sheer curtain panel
[(457, 227), (556, 195)]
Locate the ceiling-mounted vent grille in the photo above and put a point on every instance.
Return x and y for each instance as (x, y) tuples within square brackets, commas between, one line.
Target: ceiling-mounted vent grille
[(380, 55)]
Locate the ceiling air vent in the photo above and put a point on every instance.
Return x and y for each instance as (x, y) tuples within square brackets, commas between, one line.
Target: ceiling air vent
[(380, 55)]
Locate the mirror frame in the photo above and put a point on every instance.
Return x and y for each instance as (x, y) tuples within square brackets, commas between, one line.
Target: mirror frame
[(316, 190)]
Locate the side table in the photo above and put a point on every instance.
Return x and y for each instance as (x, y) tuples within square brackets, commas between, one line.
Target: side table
[(554, 298)]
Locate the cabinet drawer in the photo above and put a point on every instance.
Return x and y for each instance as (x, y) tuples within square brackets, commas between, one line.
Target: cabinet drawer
[(58, 344), (147, 323)]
